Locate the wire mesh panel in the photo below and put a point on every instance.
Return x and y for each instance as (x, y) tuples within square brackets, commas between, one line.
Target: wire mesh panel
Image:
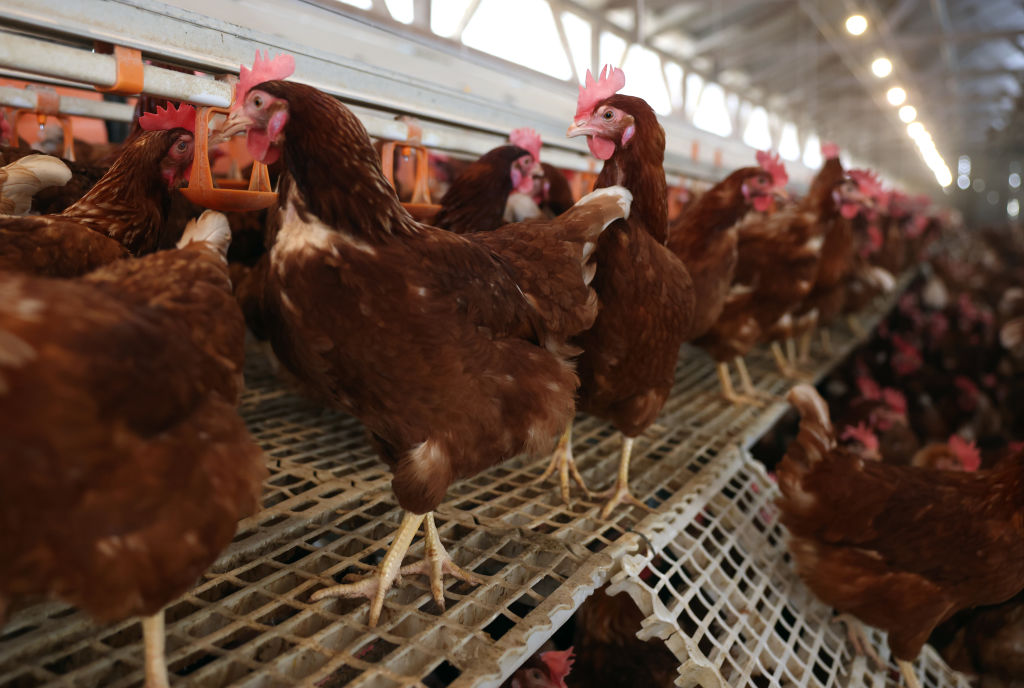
[(718, 586), (327, 511)]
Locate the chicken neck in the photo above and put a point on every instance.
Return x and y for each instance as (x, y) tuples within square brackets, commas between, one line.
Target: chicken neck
[(335, 168)]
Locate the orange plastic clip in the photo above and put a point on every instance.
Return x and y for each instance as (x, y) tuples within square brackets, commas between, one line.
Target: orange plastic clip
[(130, 70), (48, 105), (200, 189)]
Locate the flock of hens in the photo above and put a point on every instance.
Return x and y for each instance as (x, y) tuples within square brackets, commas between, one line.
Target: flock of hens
[(462, 343)]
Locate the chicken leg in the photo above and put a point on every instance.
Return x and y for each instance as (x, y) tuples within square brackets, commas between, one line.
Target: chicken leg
[(730, 393), (856, 327), (563, 462), (620, 493), (435, 564), (826, 342), (907, 669), (748, 385), (859, 639), (153, 640), (805, 346), (785, 367)]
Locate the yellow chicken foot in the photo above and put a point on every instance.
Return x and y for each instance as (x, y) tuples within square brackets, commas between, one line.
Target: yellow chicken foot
[(859, 639), (563, 462), (855, 326), (153, 640), (826, 342), (377, 585), (436, 563), (730, 393), (784, 366), (748, 385), (620, 493), (907, 669)]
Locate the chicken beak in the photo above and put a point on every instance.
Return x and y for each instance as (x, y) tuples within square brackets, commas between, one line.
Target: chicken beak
[(236, 122), (580, 128)]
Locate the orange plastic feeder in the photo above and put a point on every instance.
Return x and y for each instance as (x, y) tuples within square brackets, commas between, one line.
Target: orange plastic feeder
[(420, 206), (200, 189)]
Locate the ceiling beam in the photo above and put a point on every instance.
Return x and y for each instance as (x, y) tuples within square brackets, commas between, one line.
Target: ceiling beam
[(755, 35)]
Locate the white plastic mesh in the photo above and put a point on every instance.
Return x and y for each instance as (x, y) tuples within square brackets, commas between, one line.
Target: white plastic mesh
[(719, 588)]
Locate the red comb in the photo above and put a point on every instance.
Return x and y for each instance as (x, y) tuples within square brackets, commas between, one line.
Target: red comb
[(773, 165), (526, 139), (868, 182), (895, 400), (829, 150), (263, 69), (966, 452), (861, 434), (559, 663), (610, 82), (170, 117), (869, 389)]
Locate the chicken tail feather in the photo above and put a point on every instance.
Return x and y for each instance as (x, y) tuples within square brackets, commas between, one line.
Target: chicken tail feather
[(211, 228), (23, 178)]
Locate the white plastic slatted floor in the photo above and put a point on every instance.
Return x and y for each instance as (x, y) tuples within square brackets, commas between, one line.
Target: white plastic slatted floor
[(328, 511)]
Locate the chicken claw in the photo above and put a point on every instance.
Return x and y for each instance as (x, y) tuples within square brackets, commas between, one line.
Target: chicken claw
[(620, 493), (436, 563), (376, 586), (563, 462)]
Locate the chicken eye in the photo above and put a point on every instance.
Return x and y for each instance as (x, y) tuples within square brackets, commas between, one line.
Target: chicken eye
[(257, 101), (182, 146), (608, 114)]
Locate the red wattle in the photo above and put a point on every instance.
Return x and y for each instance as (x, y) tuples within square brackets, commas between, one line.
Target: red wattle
[(601, 148)]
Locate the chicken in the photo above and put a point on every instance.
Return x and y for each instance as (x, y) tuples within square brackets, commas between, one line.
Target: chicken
[(546, 669), (609, 653), (550, 193), (837, 251), (450, 349), (628, 363), (122, 215), (20, 180), (705, 237), (475, 202), (989, 644), (778, 257), (139, 366), (899, 547)]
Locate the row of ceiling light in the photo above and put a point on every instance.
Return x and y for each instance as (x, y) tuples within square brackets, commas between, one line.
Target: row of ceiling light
[(881, 67)]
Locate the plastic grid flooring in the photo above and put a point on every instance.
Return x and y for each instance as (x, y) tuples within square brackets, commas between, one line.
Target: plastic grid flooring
[(328, 511), (720, 590)]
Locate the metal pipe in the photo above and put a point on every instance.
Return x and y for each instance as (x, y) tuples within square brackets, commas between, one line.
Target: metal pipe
[(54, 60), (26, 99)]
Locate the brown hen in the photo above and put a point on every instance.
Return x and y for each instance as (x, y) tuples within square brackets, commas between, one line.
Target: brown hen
[(628, 363), (122, 215), (451, 349), (125, 466), (901, 548)]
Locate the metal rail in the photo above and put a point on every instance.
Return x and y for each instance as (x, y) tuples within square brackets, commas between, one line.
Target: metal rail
[(362, 64)]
